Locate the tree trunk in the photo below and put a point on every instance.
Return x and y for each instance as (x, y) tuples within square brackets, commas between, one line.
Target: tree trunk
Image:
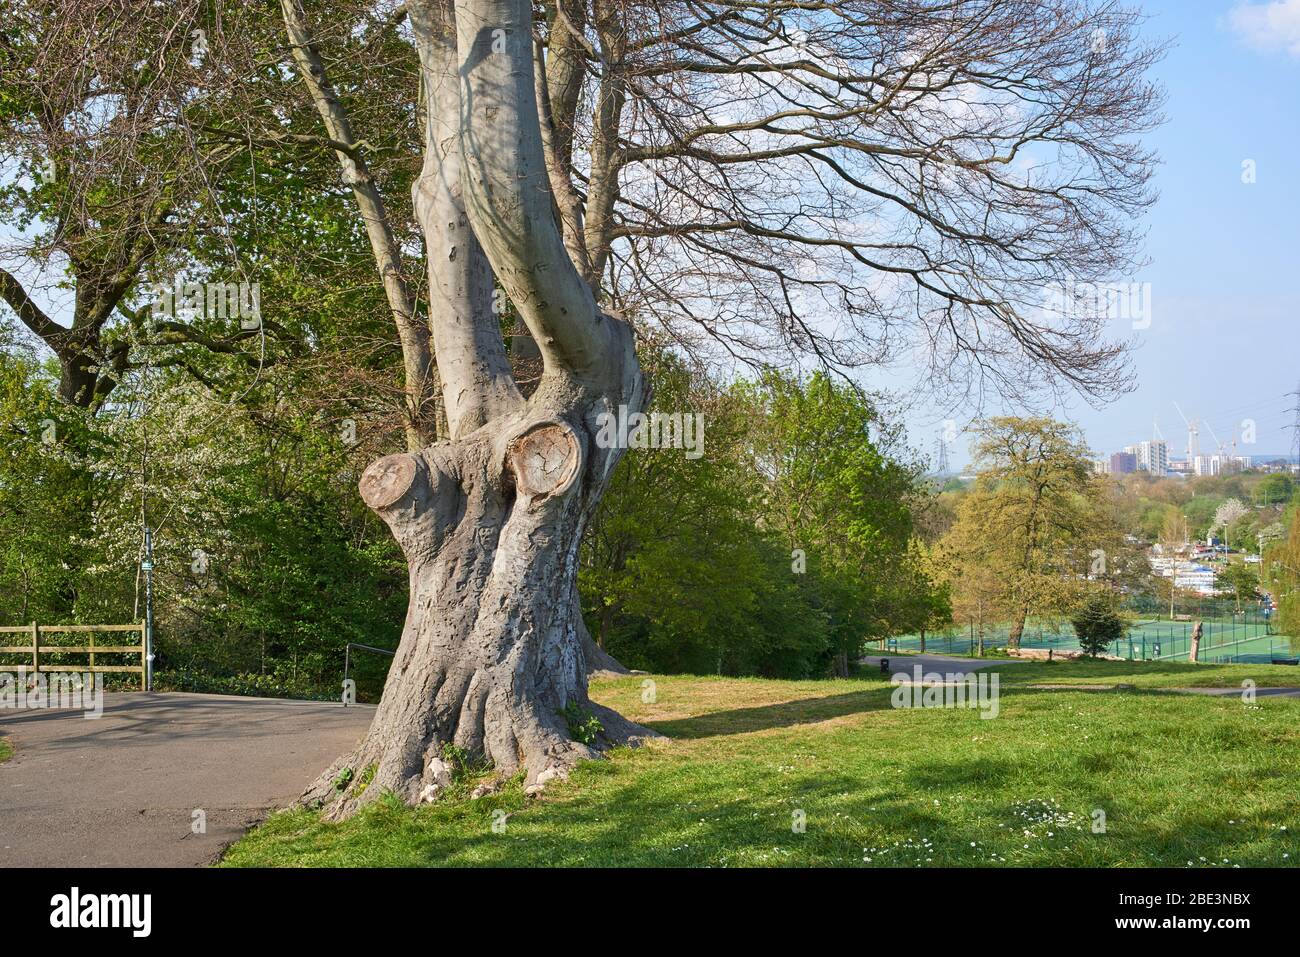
[(1017, 631), (77, 379), (494, 650), (600, 661), (606, 622)]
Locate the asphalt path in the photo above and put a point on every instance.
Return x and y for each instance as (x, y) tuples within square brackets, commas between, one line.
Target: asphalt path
[(122, 790), (940, 664)]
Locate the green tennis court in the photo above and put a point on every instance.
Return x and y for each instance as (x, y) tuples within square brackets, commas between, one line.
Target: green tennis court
[(1244, 639)]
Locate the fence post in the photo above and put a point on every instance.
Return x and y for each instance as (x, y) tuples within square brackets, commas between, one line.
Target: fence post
[(144, 665), (36, 648), (92, 655)]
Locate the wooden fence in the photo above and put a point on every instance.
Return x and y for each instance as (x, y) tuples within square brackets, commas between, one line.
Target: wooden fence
[(36, 649)]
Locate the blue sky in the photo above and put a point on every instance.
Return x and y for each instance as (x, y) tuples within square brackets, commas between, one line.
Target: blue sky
[(1224, 341)]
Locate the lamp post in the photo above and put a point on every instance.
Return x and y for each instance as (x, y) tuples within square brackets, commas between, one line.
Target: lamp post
[(147, 566)]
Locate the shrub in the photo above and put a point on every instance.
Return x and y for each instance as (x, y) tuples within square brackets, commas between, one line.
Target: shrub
[(583, 725), (250, 685)]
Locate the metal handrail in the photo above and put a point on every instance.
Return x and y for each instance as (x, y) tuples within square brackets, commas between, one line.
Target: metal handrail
[(347, 657)]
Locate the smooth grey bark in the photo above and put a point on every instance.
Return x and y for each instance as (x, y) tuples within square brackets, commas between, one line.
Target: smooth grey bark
[(494, 648), (560, 76), (477, 381)]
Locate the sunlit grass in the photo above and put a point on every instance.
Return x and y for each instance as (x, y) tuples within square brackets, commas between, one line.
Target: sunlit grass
[(1181, 779)]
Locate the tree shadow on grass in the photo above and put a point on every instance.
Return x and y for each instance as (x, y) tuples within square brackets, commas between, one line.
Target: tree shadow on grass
[(652, 823), (936, 777), (783, 714), (699, 823)]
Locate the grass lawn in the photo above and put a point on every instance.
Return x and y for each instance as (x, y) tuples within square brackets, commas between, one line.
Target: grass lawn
[(6, 752), (1181, 779)]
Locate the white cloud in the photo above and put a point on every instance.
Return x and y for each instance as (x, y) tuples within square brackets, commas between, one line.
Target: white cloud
[(1271, 25)]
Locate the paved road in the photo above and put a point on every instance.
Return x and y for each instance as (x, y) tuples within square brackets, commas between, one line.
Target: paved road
[(121, 790), (905, 664)]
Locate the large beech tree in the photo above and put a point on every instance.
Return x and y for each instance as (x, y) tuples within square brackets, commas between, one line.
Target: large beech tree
[(827, 179), (490, 520)]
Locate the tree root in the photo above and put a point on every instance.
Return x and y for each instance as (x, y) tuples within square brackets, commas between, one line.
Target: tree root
[(544, 752)]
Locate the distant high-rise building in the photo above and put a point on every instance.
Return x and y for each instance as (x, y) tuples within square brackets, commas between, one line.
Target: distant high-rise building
[(1220, 464), (1123, 463), (1101, 466), (1152, 456)]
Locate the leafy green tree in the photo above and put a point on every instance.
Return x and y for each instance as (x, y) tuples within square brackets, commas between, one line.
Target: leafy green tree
[(1277, 488), (1200, 512), (1241, 580), (833, 489), (692, 565), (1281, 563), (1036, 520), (1097, 622), (676, 574), (46, 490), (266, 563), (100, 113), (930, 594)]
